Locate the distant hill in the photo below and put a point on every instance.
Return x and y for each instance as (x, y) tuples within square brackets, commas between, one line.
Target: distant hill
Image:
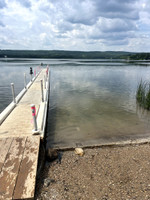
[(65, 54), (73, 54)]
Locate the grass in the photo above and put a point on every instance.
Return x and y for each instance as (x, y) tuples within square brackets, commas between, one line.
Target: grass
[(143, 95)]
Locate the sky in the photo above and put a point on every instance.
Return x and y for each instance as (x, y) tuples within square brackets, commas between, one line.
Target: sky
[(82, 25)]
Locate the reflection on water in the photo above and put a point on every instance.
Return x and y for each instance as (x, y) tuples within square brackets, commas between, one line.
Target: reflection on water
[(92, 101)]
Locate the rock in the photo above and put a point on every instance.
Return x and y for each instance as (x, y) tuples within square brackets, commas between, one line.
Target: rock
[(47, 182), (59, 158), (51, 154), (79, 151)]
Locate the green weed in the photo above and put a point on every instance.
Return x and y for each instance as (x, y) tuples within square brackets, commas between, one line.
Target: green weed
[(143, 94)]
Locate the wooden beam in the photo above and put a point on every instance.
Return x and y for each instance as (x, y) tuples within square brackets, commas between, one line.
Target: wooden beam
[(4, 148), (10, 169), (25, 185)]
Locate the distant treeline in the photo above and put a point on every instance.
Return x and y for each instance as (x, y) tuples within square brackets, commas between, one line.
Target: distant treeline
[(140, 56), (72, 54)]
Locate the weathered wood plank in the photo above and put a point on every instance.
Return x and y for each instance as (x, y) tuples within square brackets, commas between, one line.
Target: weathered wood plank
[(25, 184), (4, 148), (2, 142), (2, 156), (11, 167)]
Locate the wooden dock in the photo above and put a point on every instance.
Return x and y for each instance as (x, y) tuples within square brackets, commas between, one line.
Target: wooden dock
[(19, 148)]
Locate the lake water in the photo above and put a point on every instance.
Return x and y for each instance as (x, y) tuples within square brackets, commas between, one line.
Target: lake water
[(91, 101)]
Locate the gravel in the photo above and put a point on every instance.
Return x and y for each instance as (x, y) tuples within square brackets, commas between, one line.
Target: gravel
[(104, 173)]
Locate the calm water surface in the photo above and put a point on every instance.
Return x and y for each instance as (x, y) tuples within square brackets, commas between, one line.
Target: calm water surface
[(94, 101), (91, 101)]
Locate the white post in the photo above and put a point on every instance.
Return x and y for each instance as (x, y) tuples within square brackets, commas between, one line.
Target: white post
[(47, 69), (13, 92), (25, 81), (44, 82), (42, 91), (34, 118), (31, 77)]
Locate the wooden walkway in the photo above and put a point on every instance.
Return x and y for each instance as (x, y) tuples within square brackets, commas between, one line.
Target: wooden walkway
[(18, 166), (19, 149)]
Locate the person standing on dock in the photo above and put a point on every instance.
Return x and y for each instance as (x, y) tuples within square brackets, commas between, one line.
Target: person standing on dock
[(31, 72)]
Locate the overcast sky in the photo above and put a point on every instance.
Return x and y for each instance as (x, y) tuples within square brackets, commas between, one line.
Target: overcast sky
[(88, 25)]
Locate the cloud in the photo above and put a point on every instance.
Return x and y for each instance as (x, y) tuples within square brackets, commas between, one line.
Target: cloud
[(116, 25), (1, 24), (117, 42), (98, 18), (74, 25), (2, 4), (80, 12), (25, 3), (110, 37), (87, 12), (117, 9)]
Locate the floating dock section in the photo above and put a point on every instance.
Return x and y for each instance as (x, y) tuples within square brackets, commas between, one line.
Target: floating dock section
[(20, 138)]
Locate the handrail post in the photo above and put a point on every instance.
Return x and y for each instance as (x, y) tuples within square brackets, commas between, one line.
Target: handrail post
[(25, 81), (47, 69), (13, 92), (42, 91), (44, 82), (31, 77), (34, 118)]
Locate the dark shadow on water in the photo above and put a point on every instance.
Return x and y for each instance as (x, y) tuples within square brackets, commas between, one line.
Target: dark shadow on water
[(51, 126), (51, 121)]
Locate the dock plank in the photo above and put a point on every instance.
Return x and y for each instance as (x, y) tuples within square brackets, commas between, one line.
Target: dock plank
[(11, 166), (4, 148), (25, 185)]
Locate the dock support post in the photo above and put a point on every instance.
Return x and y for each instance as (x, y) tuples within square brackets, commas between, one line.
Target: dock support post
[(13, 92), (42, 91), (34, 119), (25, 81)]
